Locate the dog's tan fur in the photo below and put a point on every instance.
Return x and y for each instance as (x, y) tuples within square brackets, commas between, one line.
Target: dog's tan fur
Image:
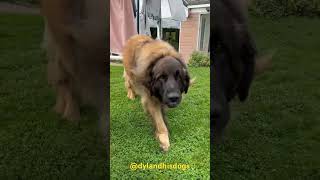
[(139, 54), (76, 44)]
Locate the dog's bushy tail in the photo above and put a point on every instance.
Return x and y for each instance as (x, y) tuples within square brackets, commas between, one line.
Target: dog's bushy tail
[(192, 81)]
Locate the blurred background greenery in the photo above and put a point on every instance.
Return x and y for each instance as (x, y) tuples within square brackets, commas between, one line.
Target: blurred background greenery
[(34, 2), (281, 8)]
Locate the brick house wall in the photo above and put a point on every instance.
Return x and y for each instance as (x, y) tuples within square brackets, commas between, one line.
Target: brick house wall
[(189, 35)]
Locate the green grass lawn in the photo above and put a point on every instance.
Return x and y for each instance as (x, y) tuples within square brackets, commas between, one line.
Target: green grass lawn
[(132, 136), (276, 133), (35, 143)]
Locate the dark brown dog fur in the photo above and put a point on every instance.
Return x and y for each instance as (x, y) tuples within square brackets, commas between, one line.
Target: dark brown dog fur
[(146, 61)]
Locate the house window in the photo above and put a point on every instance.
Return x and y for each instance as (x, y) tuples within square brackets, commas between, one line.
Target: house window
[(204, 32), (169, 35)]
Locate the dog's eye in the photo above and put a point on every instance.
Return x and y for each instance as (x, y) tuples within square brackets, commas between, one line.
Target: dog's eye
[(177, 74), (163, 76)]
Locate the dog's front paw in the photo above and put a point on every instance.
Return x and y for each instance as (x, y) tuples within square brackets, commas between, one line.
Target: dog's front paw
[(60, 105), (164, 141), (72, 112), (59, 108), (131, 95)]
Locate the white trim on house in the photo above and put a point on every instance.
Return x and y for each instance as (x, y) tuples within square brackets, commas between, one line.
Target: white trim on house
[(200, 10), (117, 58), (199, 30), (198, 34), (198, 6)]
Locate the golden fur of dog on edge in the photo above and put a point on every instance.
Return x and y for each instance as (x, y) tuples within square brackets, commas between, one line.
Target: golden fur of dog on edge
[(76, 44)]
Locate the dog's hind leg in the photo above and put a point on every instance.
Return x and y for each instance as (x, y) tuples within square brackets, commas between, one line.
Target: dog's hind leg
[(131, 94)]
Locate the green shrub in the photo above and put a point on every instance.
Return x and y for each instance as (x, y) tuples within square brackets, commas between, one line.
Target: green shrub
[(281, 8), (270, 8), (36, 2), (199, 59)]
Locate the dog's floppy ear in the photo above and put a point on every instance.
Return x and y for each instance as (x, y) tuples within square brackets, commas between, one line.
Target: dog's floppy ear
[(150, 82), (186, 80), (155, 87)]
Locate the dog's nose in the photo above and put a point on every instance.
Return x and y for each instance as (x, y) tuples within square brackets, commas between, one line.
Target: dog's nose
[(173, 97)]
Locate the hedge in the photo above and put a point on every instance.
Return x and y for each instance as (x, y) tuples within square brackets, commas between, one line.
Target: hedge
[(35, 2), (281, 8), (199, 59)]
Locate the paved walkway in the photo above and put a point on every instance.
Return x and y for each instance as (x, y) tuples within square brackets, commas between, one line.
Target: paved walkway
[(14, 8)]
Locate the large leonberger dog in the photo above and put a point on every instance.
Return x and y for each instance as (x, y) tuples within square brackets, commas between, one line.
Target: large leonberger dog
[(77, 48), (155, 71)]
